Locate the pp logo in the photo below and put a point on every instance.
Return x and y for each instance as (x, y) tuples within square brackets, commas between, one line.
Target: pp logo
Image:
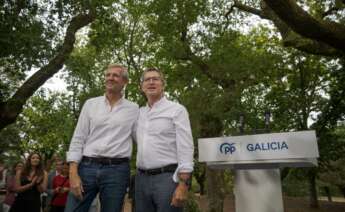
[(227, 148)]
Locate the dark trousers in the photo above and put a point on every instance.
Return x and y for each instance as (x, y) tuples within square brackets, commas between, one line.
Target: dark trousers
[(153, 193), (110, 181)]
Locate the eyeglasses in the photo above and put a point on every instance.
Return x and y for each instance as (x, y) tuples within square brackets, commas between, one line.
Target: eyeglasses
[(154, 79)]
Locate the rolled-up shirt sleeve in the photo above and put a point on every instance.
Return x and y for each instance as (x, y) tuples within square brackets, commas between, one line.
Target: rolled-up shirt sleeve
[(81, 132), (184, 143)]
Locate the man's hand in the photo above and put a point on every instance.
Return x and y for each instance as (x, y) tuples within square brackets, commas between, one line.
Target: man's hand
[(76, 185), (180, 195)]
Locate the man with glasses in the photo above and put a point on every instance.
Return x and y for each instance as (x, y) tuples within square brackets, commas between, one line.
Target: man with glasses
[(101, 147), (165, 149)]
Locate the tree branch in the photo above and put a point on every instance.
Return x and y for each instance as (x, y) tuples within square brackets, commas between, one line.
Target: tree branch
[(204, 67), (330, 11), (300, 21), (248, 9), (289, 37), (10, 109)]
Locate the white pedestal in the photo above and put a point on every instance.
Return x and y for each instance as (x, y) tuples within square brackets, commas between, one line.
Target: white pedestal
[(256, 159), (258, 190)]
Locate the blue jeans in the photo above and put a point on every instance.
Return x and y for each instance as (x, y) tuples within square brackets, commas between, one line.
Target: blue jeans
[(153, 193), (110, 181)]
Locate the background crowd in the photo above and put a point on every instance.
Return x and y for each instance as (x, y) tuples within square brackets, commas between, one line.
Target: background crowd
[(28, 185)]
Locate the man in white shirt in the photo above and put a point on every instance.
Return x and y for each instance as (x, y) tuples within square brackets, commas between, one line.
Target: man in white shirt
[(165, 149), (101, 147)]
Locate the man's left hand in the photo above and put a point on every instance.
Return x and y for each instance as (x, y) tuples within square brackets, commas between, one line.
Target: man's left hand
[(180, 195)]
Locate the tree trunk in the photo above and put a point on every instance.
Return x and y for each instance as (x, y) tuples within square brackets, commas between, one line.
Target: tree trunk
[(300, 21), (328, 193), (199, 174), (284, 173), (202, 187), (312, 189), (342, 189), (215, 190), (10, 109), (201, 183)]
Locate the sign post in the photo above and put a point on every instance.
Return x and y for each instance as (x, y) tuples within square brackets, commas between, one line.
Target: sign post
[(256, 160)]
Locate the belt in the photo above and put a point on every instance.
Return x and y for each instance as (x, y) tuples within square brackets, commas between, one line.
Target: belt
[(104, 160), (168, 168)]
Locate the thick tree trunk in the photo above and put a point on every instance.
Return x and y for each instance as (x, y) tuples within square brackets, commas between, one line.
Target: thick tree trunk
[(312, 189), (202, 187), (328, 193), (215, 190), (284, 173), (342, 189), (200, 175), (201, 182), (295, 29), (300, 21)]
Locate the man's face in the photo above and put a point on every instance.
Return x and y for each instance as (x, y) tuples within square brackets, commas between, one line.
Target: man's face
[(152, 84), (114, 80)]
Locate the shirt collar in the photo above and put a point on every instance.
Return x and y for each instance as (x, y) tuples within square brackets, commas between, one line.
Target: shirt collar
[(160, 102), (117, 103)]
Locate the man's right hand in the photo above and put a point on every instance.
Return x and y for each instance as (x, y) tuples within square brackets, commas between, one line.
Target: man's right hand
[(76, 186)]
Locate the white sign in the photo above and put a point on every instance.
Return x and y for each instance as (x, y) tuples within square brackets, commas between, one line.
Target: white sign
[(289, 148)]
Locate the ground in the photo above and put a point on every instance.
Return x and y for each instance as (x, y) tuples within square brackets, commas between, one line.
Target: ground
[(291, 204)]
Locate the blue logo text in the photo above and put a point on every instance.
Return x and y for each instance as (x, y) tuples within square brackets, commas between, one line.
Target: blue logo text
[(227, 148), (256, 147)]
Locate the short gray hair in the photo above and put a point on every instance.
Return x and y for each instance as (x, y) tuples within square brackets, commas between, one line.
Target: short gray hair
[(152, 69), (124, 72)]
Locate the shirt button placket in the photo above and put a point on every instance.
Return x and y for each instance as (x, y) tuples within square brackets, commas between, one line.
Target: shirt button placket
[(146, 125)]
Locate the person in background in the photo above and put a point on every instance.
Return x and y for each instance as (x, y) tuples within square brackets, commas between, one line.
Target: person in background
[(53, 173), (31, 181), (10, 184), (60, 189), (3, 174), (165, 149)]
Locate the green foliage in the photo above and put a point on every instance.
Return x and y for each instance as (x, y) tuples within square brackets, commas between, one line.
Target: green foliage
[(9, 140), (247, 72), (25, 42), (191, 205), (295, 184), (46, 125)]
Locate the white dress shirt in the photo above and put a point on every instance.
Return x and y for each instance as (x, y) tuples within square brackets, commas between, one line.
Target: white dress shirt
[(103, 131), (164, 137)]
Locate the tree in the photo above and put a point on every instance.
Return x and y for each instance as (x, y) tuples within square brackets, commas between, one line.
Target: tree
[(48, 62), (320, 30), (9, 139), (46, 124)]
